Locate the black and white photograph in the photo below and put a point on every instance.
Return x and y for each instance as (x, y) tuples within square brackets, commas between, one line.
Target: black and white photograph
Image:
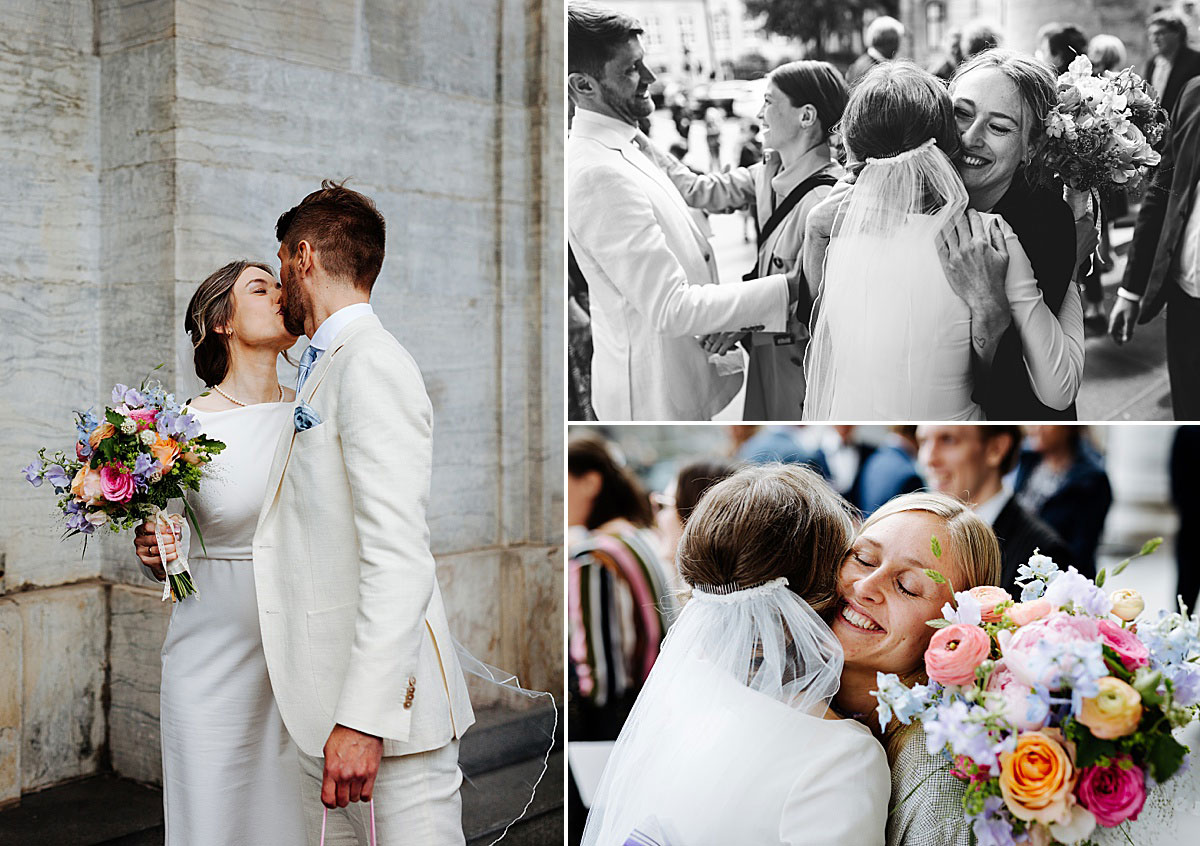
[(781, 210)]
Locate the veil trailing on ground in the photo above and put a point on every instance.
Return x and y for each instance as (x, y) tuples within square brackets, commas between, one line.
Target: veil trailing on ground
[(872, 354), (727, 644)]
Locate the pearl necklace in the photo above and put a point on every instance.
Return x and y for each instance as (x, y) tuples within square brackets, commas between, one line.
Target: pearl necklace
[(238, 402)]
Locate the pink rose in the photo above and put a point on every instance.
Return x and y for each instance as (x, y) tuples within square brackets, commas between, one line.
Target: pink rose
[(989, 597), (1020, 648), (117, 486), (1113, 794), (1024, 613), (955, 652), (1015, 694), (1126, 644)]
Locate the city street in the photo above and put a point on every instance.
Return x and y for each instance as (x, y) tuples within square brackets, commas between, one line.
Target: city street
[(1119, 383)]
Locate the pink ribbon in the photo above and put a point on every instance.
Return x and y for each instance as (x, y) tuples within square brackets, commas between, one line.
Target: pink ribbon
[(325, 818)]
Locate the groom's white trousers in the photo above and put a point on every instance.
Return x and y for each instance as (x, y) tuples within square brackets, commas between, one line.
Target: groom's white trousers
[(417, 802)]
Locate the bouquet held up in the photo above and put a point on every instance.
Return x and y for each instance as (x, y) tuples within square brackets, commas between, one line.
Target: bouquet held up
[(1103, 134), (128, 463), (1056, 711)]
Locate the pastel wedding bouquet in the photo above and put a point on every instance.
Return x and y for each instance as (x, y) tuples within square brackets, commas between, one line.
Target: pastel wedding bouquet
[(1056, 711), (144, 451), (1103, 134)]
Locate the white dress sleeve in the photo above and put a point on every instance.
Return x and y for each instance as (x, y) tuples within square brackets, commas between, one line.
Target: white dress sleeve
[(842, 798), (1052, 345)]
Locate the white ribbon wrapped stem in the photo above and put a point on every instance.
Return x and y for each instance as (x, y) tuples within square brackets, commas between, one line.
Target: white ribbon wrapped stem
[(177, 570)]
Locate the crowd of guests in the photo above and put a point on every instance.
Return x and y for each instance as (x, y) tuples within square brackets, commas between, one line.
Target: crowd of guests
[(653, 356)]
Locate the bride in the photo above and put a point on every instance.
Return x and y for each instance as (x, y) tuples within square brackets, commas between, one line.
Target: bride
[(230, 772), (894, 335), (732, 739)]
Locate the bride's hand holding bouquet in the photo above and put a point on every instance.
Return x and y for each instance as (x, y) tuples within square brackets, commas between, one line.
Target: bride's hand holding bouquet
[(145, 450)]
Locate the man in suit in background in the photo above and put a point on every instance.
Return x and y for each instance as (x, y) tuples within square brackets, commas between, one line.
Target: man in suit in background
[(1163, 268), (970, 462), (883, 43), (1173, 62), (890, 470), (1185, 496), (651, 272)]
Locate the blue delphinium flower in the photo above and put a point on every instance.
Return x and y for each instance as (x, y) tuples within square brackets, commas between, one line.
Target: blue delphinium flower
[(33, 473), (1034, 575), (963, 728), (57, 476), (897, 700), (991, 827)]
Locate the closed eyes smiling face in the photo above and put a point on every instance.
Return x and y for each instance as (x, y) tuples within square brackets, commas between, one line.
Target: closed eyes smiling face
[(886, 597)]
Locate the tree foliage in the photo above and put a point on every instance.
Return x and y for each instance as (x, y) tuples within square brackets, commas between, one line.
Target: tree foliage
[(813, 21)]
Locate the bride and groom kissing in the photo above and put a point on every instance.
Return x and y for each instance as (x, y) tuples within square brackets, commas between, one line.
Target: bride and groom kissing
[(317, 667), (753, 726), (933, 282)]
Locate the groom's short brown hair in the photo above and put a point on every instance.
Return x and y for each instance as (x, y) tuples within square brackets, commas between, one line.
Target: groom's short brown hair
[(343, 227)]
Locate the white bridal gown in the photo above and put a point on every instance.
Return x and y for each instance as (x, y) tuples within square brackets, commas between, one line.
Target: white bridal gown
[(230, 771), (892, 340)]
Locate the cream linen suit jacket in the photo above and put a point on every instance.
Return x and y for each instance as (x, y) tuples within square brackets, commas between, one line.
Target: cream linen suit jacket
[(352, 620), (651, 279)]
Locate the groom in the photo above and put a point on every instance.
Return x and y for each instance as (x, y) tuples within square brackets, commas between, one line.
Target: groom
[(358, 648)]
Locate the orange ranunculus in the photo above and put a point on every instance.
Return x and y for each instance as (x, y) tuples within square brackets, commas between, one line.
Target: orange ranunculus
[(166, 450), (87, 486), (1114, 712), (104, 430), (1037, 778)]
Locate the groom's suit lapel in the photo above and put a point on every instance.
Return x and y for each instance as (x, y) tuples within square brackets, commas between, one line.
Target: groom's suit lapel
[(652, 172), (283, 452)]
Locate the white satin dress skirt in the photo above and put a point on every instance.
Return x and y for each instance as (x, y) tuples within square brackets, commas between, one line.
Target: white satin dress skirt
[(230, 771)]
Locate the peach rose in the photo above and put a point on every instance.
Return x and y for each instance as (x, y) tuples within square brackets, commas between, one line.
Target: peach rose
[(104, 430), (191, 458), (1114, 712), (1037, 778), (955, 652), (166, 450), (1023, 613), (88, 485), (989, 597)]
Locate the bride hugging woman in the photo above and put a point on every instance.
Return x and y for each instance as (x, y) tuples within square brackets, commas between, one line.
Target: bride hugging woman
[(732, 739), (912, 285)]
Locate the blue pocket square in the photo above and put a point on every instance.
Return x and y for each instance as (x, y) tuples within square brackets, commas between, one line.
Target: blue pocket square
[(304, 417)]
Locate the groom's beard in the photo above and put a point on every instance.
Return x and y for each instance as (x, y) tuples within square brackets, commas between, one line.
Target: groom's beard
[(293, 309)]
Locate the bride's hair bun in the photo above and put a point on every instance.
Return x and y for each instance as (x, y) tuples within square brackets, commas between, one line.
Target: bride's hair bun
[(895, 108), (767, 522)]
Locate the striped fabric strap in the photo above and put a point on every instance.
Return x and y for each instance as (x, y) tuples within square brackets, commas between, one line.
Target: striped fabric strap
[(325, 819)]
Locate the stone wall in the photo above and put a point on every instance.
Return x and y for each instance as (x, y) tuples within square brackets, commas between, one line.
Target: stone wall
[(143, 144)]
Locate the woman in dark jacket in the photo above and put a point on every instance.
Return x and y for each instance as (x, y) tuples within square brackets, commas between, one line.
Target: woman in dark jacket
[(1000, 126), (1062, 480)]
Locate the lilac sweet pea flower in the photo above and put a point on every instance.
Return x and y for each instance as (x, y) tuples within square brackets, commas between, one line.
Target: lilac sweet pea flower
[(968, 611), (33, 473), (991, 827), (1073, 587), (118, 393), (57, 476)]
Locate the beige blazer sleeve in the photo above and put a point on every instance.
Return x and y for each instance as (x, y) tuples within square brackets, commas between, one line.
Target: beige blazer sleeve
[(385, 423)]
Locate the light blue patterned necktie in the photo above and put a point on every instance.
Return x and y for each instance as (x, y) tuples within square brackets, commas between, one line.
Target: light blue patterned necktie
[(306, 362)]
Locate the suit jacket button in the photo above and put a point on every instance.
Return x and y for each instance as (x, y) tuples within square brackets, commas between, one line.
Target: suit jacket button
[(407, 704), (777, 261), (707, 257)]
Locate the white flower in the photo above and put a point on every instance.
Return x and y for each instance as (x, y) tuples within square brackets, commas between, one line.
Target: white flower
[(154, 476), (128, 426), (1078, 825), (148, 437), (97, 518), (1127, 604)]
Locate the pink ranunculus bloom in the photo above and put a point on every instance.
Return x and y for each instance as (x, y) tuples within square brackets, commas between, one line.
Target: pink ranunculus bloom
[(116, 485), (144, 416), (1111, 793), (989, 597), (1015, 694), (955, 652), (1024, 613), (1126, 644), (1019, 648)]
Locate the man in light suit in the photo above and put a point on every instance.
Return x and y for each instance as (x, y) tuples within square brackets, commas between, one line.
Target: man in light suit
[(358, 648), (650, 271)]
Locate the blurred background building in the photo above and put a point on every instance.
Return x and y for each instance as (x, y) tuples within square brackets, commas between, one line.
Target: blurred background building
[(145, 143)]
